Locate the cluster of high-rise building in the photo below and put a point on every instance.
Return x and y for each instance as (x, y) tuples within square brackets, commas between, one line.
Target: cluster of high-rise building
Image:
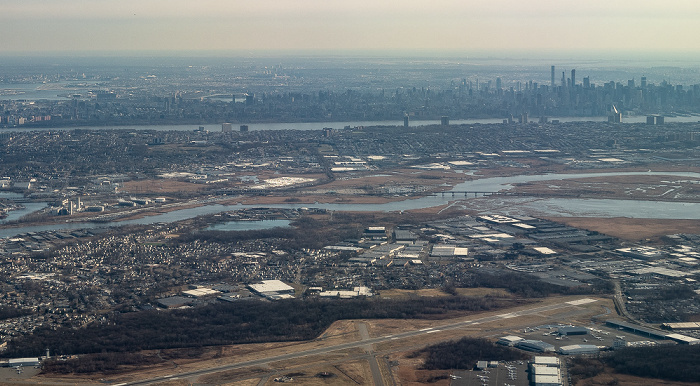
[(458, 95)]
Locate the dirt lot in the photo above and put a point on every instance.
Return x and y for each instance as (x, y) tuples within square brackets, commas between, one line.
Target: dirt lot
[(397, 177), (163, 186), (412, 294), (632, 229), (311, 199)]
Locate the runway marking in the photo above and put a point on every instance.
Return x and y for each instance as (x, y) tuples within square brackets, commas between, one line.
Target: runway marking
[(361, 343), (581, 301)]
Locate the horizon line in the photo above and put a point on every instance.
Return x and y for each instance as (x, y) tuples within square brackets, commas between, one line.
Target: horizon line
[(398, 53)]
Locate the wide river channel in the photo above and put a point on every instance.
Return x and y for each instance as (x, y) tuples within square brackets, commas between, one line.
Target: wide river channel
[(340, 125), (506, 205)]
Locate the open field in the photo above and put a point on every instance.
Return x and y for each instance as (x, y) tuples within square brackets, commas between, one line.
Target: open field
[(402, 177), (640, 187), (312, 199), (411, 294), (318, 373), (608, 377), (161, 186), (434, 292)]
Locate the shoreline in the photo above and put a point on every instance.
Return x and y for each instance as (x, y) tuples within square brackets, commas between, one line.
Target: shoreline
[(294, 198)]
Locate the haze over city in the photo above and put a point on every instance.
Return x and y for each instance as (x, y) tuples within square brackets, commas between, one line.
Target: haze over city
[(493, 192), (474, 27)]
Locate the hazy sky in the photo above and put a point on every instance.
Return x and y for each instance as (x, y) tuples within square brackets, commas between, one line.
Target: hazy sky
[(396, 25)]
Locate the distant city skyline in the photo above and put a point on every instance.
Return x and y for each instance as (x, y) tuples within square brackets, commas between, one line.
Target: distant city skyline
[(483, 26)]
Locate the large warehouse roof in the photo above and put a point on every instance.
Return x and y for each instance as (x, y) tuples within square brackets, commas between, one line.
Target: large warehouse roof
[(578, 349), (534, 345), (682, 326), (636, 328), (271, 286), (548, 361), (683, 339)]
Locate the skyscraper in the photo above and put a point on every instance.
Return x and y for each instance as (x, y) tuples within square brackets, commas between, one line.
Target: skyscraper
[(573, 78), (563, 79), (553, 85)]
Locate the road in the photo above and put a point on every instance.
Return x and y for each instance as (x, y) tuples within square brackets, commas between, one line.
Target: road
[(363, 343), (373, 364)]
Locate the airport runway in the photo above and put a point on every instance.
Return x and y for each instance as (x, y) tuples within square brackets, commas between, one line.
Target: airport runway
[(362, 343)]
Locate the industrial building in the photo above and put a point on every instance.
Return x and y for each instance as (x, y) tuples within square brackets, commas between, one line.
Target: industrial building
[(639, 330), (509, 340), (347, 294), (546, 361), (200, 292), (443, 250), (174, 302), (404, 235), (641, 252), (16, 362), (579, 349), (683, 339), (534, 345), (572, 330), (272, 289), (546, 380), (376, 230), (545, 371), (681, 326)]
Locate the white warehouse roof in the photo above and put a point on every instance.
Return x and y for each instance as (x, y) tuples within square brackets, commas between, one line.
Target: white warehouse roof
[(683, 339), (509, 340), (545, 370), (271, 286), (549, 361), (578, 349)]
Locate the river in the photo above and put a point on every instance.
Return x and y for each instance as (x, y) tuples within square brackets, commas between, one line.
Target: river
[(339, 125), (494, 205)]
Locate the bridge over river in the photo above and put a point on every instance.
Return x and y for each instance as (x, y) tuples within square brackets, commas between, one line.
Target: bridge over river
[(478, 193)]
